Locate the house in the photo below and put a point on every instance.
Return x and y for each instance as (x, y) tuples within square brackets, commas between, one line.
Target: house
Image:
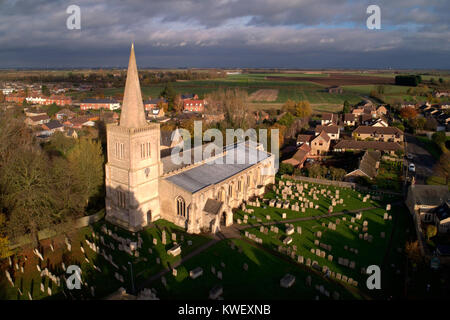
[(320, 144), (40, 99), (349, 119), (331, 130), (150, 104), (65, 114), (189, 96), (33, 113), (298, 159), (79, 122), (349, 145), (71, 133), (380, 122), (37, 120), (194, 105), (378, 133), (16, 98), (335, 89), (52, 126), (441, 217), (97, 104), (328, 118), (406, 104), (358, 111), (438, 94), (155, 113), (304, 139), (368, 166), (429, 204), (381, 111)]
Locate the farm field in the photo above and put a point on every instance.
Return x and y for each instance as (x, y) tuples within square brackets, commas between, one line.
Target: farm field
[(271, 90)]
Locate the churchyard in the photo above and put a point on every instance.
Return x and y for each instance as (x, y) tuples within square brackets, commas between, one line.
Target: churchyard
[(236, 269), (315, 255), (340, 247), (289, 199), (103, 252)]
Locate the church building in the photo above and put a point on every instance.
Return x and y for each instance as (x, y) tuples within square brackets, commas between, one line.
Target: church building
[(142, 186)]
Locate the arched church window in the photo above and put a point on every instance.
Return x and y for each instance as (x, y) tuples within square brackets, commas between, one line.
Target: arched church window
[(181, 207)]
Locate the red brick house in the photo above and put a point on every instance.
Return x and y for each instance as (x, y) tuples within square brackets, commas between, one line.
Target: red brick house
[(194, 105)]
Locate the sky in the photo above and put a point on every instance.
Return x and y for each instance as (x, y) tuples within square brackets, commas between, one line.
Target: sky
[(305, 34)]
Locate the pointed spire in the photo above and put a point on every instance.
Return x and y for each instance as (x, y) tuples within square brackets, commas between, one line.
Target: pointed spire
[(133, 115)]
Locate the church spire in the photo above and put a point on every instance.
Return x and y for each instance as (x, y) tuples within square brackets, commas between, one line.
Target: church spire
[(133, 115)]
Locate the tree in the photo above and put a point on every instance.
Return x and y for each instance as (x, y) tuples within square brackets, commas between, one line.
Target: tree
[(408, 113), (346, 107), (337, 173), (380, 89), (303, 109), (233, 103), (4, 242), (86, 161), (52, 109), (45, 91), (286, 168), (430, 124), (412, 250), (439, 138), (170, 94), (26, 183), (289, 106), (431, 231), (60, 144), (442, 168)]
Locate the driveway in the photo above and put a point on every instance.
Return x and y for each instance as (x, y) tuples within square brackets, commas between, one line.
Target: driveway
[(422, 158)]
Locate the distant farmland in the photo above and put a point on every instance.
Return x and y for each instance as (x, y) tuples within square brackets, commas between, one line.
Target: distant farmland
[(336, 79)]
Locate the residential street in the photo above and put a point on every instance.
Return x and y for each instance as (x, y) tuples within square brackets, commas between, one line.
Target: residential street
[(423, 160)]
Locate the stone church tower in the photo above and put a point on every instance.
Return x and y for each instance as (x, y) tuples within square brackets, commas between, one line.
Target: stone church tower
[(134, 165)]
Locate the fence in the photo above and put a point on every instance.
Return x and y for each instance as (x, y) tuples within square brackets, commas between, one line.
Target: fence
[(48, 233), (341, 184)]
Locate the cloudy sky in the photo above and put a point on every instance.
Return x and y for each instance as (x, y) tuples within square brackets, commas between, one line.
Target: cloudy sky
[(226, 33)]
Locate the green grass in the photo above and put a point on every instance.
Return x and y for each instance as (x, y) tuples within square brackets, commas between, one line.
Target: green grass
[(261, 281), (352, 201), (104, 281), (369, 253)]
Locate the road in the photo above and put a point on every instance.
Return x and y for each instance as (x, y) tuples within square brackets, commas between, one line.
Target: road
[(423, 160)]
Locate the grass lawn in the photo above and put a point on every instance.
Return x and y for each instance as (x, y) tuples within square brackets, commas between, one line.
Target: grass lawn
[(352, 200), (368, 253), (261, 281)]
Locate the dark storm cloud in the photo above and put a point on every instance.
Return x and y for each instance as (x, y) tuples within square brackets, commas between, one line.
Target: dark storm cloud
[(267, 33)]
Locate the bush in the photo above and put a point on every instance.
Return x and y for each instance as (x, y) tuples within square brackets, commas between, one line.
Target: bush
[(286, 168)]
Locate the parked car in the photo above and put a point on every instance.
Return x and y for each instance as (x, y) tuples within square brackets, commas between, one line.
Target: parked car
[(409, 156), (412, 167)]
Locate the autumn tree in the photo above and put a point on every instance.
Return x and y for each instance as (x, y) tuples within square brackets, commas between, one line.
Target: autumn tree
[(303, 109), (408, 113), (412, 250)]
